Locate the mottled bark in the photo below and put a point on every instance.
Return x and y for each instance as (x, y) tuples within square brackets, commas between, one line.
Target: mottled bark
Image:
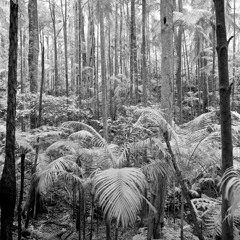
[(144, 65), (103, 73), (225, 112), (33, 52), (166, 9), (178, 43), (8, 181)]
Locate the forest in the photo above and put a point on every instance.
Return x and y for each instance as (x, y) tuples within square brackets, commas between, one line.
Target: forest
[(120, 119)]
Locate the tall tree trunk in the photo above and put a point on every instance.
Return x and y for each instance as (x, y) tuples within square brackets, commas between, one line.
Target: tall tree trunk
[(52, 7), (103, 70), (214, 63), (178, 40), (110, 67), (22, 49), (8, 181), (133, 52), (234, 49), (80, 52), (116, 39), (131, 35), (42, 84), (225, 113), (166, 10), (96, 75), (64, 17), (33, 52), (144, 67), (21, 197), (120, 34)]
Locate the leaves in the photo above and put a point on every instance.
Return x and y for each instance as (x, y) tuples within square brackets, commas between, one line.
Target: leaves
[(119, 193)]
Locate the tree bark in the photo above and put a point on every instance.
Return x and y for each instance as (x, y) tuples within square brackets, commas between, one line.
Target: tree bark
[(225, 112), (8, 181), (166, 10), (21, 197), (52, 7), (144, 65), (103, 68), (184, 189), (33, 52), (42, 84), (178, 40)]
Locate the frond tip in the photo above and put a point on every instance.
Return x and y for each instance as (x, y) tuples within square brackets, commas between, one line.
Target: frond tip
[(231, 181), (119, 193)]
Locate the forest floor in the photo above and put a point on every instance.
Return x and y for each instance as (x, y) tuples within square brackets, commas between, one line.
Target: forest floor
[(58, 224)]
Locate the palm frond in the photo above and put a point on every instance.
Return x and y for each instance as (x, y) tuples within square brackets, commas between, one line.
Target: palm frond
[(119, 193), (97, 139), (231, 180), (62, 146), (80, 135), (154, 168), (61, 167)]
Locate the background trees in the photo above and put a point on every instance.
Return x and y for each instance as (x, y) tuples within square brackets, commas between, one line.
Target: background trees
[(101, 61)]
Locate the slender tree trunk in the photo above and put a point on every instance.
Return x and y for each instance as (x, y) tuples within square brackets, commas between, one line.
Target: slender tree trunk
[(110, 66), (185, 190), (96, 76), (214, 63), (64, 17), (179, 64), (21, 197), (80, 52), (225, 113), (234, 50), (22, 49), (52, 7), (8, 180), (42, 84), (144, 65), (103, 68), (120, 34), (116, 39), (33, 52), (166, 9), (131, 35)]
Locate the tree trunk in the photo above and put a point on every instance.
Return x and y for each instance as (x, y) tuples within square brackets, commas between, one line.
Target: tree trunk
[(8, 181), (21, 197), (33, 52), (184, 189), (103, 68), (225, 113), (80, 52), (144, 67), (166, 9), (52, 8), (178, 40), (131, 34), (42, 84), (64, 17), (158, 201)]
